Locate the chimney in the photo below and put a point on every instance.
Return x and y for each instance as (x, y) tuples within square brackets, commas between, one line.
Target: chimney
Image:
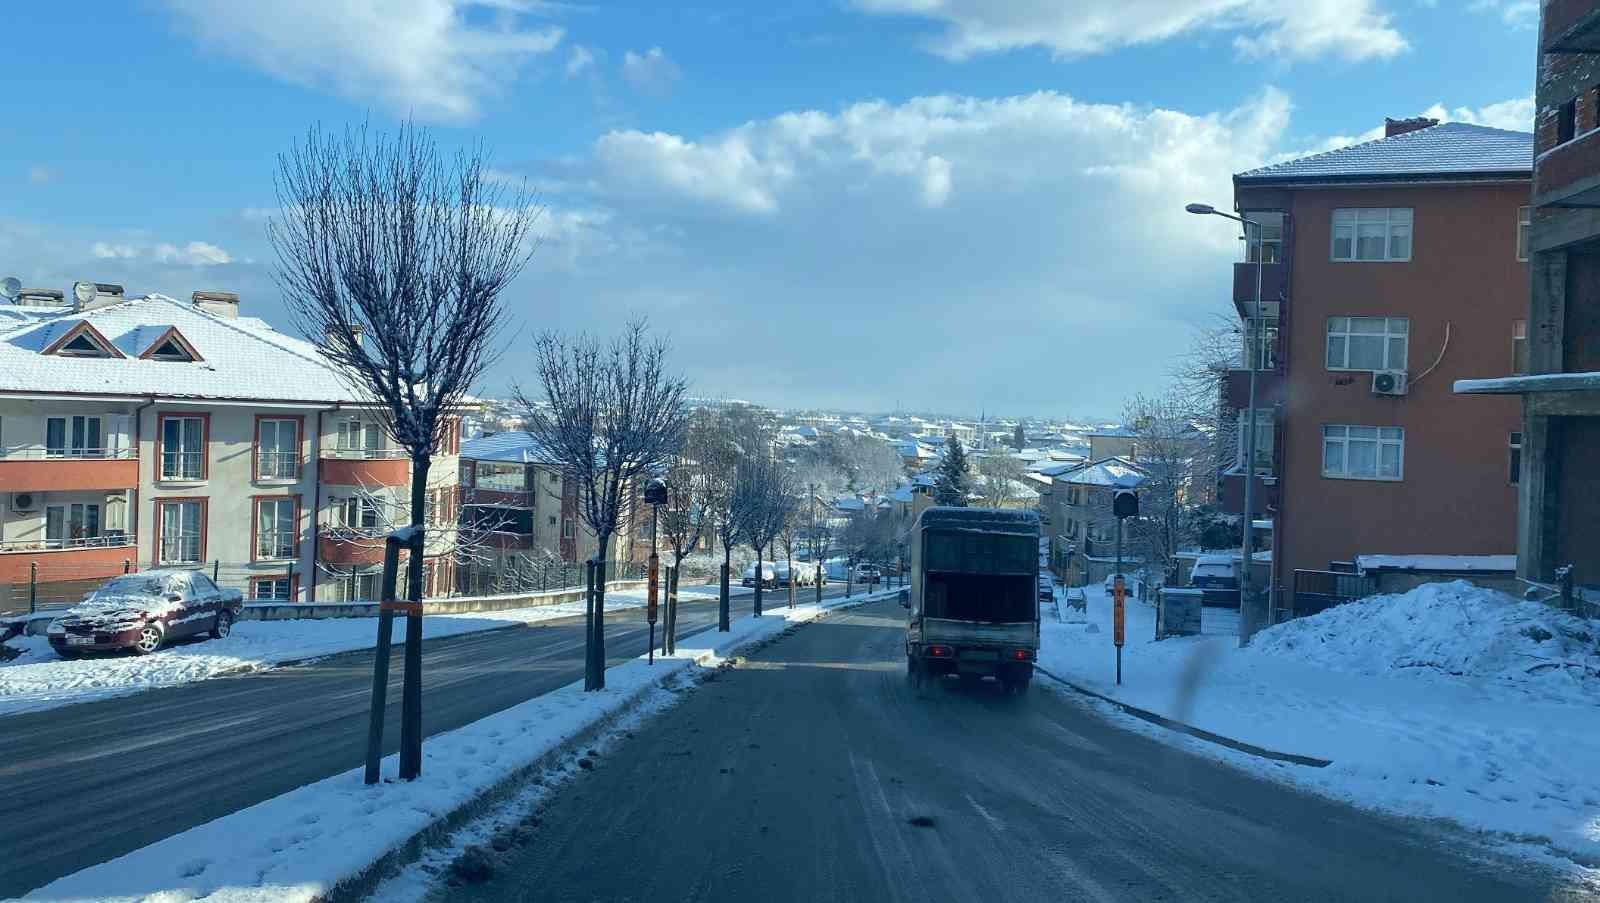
[(1393, 127), (218, 304), (42, 297), (105, 295)]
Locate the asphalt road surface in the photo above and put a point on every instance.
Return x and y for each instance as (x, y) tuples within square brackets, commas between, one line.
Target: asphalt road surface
[(814, 772), (85, 783)]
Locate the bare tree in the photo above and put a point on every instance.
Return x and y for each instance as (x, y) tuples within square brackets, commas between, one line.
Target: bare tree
[(764, 497), (1176, 455), (1000, 479), (611, 412), (693, 482), (393, 261), (792, 530)]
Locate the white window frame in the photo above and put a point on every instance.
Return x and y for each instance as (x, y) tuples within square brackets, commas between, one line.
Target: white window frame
[(272, 596), (61, 516), (1265, 435), (75, 436), (360, 506), (1519, 343), (1514, 457), (1339, 434), (277, 544), (277, 464), (1265, 360), (1351, 219), (1388, 335), (179, 540), (178, 453), (1524, 232)]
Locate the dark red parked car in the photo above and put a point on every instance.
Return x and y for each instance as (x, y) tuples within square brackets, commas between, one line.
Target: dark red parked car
[(143, 611)]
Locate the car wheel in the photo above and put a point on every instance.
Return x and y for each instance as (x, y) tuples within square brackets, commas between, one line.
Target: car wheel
[(223, 626), (151, 636), (68, 654)]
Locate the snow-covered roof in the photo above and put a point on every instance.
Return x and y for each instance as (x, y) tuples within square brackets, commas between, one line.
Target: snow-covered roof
[(1442, 563), (508, 448), (1451, 149), (1535, 382), (239, 358), (1119, 473)]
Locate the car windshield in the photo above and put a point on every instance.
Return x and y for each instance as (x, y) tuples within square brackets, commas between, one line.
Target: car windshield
[(126, 586)]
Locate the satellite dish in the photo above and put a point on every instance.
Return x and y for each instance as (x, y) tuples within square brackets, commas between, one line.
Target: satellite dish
[(10, 287), (84, 291)]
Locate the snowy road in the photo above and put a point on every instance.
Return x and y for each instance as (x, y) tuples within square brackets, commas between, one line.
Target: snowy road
[(815, 773), (84, 783)]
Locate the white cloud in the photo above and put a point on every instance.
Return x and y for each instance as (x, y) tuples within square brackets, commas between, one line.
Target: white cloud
[(651, 72), (1519, 14), (195, 253), (1515, 114), (40, 175), (437, 59), (1008, 251), (101, 250), (1348, 29), (579, 59)]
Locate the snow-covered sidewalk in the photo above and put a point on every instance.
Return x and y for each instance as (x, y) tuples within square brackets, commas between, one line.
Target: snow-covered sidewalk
[(39, 679), (1446, 701), (298, 846)]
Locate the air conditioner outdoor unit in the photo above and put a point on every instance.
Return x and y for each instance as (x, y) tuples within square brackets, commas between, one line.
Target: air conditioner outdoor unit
[(22, 502), (1389, 382)]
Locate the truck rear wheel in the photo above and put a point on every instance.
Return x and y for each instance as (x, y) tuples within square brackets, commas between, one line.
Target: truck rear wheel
[(913, 671)]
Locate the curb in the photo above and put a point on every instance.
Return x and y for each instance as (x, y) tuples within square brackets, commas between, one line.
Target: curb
[(1191, 730), (364, 882)]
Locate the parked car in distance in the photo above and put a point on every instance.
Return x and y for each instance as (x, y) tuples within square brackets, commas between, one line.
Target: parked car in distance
[(1047, 589), (144, 611), (868, 573), (769, 575), (1130, 583), (1215, 572)]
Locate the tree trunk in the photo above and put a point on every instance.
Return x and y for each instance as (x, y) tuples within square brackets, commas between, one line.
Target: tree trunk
[(790, 559), (722, 596), (760, 579), (411, 689), (597, 615)]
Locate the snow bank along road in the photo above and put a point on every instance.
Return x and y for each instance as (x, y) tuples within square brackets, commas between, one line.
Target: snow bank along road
[(813, 772), (84, 783)]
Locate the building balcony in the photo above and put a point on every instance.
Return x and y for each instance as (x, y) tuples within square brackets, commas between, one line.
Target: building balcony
[(1568, 175), (40, 470), (1230, 493), (1274, 287), (1269, 389), (1570, 26), (53, 561), (365, 467), (500, 498), (346, 546), (510, 542)]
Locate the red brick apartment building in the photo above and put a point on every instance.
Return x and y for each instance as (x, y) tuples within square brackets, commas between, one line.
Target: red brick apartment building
[(1558, 517), (1389, 270)]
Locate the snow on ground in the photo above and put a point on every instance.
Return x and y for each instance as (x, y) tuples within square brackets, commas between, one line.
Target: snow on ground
[(297, 846), (1447, 701), (39, 679)]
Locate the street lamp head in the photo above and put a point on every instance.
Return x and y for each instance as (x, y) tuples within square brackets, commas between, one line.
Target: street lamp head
[(1200, 208)]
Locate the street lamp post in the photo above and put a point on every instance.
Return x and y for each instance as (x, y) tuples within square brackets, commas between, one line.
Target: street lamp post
[(1251, 621), (655, 495)]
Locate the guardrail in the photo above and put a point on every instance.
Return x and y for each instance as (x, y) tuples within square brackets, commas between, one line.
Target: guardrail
[(36, 453)]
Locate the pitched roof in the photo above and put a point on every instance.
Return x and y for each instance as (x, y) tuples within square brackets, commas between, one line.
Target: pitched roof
[(511, 448), (243, 358), (1449, 150), (1115, 472)]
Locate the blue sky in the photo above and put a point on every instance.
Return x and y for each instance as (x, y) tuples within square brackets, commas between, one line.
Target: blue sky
[(933, 204)]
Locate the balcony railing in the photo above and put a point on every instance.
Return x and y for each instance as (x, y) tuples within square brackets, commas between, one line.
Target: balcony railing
[(108, 540), (365, 454), (277, 466), (37, 453)]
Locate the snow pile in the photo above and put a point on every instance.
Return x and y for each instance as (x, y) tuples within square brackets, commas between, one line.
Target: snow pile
[(1453, 629), (299, 846), (39, 679)]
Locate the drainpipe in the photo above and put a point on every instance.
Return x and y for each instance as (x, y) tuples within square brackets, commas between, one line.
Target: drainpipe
[(138, 479)]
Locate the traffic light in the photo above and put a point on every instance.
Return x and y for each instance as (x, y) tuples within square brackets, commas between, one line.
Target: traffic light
[(1125, 503)]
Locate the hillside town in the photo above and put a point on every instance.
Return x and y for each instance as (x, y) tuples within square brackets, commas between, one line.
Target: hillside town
[(463, 596)]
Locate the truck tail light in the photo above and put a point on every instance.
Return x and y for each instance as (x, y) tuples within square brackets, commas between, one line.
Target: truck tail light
[(939, 652), (1022, 655)]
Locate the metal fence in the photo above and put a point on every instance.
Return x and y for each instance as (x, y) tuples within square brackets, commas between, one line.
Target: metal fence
[(1316, 591)]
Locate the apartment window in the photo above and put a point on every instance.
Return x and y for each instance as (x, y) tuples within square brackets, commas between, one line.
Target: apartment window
[(1567, 122), (275, 529), (363, 586), (1363, 452), (354, 435), (272, 589), (71, 525), (183, 443), (357, 513), (1266, 341), (1264, 440), (1524, 227), (182, 526), (1519, 347), (1367, 343), (1515, 445), (1268, 248), (74, 437), (277, 449), (1372, 233), (552, 520), (568, 529)]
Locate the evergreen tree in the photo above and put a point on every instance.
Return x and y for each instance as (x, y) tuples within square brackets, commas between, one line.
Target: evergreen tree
[(1019, 438), (953, 480)]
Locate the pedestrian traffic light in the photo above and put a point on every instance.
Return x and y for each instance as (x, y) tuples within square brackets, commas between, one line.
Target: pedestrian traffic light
[(1125, 503)]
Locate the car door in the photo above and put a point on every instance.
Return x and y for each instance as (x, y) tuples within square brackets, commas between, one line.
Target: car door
[(205, 602)]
